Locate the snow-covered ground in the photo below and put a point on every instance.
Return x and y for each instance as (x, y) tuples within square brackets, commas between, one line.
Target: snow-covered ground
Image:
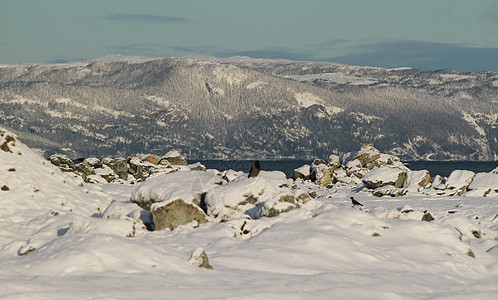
[(61, 238)]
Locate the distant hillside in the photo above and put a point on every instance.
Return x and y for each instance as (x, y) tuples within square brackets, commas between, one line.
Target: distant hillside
[(247, 108)]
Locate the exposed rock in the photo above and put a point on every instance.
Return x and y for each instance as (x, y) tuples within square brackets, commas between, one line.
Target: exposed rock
[(197, 167), (389, 190), (84, 170), (302, 173), (63, 162), (427, 217), (274, 207), (321, 172), (243, 194), (334, 161), (153, 159), (383, 176), (92, 162), (190, 186), (140, 170), (483, 185), (230, 175), (438, 183), (7, 140), (173, 157), (416, 180), (105, 172), (199, 258), (118, 165), (175, 213), (301, 196), (367, 155), (459, 180)]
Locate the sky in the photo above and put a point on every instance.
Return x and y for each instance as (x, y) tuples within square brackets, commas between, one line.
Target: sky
[(460, 35)]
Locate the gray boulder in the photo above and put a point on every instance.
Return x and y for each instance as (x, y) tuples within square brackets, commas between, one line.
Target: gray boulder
[(379, 177), (175, 213), (118, 165), (63, 162), (173, 158), (302, 173)]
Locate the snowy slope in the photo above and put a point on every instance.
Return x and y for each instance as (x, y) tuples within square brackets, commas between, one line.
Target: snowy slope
[(325, 249)]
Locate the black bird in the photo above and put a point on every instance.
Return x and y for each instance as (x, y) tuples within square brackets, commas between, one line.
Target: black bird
[(255, 168), (355, 203)]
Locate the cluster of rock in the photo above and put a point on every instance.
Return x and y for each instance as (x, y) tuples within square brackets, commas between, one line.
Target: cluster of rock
[(198, 197), (137, 168), (385, 174)]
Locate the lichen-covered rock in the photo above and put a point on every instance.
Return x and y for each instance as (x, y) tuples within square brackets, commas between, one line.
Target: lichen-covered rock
[(172, 214), (7, 141), (84, 170), (383, 176), (63, 162), (140, 170), (118, 165), (174, 157)]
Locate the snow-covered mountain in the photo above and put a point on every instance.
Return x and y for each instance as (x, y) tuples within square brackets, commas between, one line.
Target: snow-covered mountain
[(244, 108)]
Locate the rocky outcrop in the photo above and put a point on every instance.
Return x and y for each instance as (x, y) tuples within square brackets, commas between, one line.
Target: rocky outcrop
[(119, 166), (63, 162), (93, 170), (267, 195)]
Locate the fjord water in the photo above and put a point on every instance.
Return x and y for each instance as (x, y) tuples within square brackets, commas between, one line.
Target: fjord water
[(443, 168)]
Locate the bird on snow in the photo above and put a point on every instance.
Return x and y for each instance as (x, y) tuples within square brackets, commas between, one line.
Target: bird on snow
[(355, 203), (255, 168)]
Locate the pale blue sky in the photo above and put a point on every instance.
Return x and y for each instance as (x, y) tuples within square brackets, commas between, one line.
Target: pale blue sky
[(429, 34)]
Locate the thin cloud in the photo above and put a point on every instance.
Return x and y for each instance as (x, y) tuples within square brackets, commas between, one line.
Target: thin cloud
[(423, 55), (491, 13), (148, 18), (270, 53), (64, 59)]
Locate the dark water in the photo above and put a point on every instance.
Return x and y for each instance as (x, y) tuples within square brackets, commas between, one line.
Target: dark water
[(443, 168)]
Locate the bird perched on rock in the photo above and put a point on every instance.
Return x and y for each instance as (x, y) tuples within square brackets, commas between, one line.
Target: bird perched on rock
[(355, 203), (255, 168)]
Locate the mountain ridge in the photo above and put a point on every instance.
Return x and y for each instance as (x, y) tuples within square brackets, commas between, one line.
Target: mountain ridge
[(243, 108)]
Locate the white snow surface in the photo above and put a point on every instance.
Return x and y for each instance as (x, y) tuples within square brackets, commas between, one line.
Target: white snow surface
[(185, 185), (325, 249)]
